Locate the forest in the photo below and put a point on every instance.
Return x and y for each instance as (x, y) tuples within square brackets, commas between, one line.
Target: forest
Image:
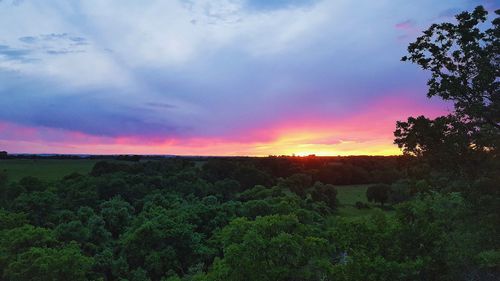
[(270, 218), (433, 213)]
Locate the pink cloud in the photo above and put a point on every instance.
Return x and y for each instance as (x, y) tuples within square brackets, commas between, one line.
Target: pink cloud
[(406, 25)]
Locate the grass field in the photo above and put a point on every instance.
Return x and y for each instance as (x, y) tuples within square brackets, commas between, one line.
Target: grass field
[(348, 195), (46, 169)]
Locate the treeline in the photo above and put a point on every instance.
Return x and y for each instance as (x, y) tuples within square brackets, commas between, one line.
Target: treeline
[(333, 170), (125, 157)]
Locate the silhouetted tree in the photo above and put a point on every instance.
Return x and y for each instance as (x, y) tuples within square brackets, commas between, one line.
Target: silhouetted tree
[(378, 193), (464, 61)]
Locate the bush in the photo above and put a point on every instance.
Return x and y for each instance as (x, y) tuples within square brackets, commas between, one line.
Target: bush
[(361, 205)]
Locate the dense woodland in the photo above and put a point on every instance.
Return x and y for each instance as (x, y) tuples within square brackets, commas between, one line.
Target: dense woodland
[(267, 218), (275, 218)]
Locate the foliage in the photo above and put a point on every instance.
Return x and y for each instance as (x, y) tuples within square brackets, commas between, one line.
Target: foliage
[(464, 61), (463, 58), (271, 248), (65, 263), (378, 193)]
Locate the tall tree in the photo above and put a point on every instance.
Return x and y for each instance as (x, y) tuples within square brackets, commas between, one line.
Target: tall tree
[(464, 61)]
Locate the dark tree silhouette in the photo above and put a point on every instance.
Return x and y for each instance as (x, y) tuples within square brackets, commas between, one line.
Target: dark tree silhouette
[(464, 61), (378, 193)]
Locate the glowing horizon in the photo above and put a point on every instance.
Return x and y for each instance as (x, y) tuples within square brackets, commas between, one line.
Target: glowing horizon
[(212, 77), (348, 136)]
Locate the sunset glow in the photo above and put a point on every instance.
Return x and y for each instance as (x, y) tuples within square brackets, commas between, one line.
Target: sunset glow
[(354, 135)]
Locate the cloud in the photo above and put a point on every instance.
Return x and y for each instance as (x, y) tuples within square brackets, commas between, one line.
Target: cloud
[(406, 25), (161, 105), (14, 54), (87, 112), (55, 38), (263, 5), (55, 43), (28, 39), (409, 30), (14, 2), (214, 12), (34, 48)]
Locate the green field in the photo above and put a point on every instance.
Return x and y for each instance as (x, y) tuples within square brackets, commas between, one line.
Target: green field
[(46, 169), (348, 195)]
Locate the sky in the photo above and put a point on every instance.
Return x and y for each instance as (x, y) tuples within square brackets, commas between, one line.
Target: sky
[(212, 77)]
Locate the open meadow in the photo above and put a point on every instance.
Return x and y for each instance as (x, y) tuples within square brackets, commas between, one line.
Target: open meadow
[(45, 169), (348, 195)]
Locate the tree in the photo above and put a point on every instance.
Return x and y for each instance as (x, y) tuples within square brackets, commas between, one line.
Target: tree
[(117, 214), (72, 231), (225, 188), (32, 184), (422, 136), (159, 242), (111, 185), (76, 190), (298, 183), (39, 205), (66, 263), (102, 167), (464, 61), (325, 193), (272, 248), (444, 143), (139, 275), (378, 193), (9, 220), (20, 239), (249, 176)]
